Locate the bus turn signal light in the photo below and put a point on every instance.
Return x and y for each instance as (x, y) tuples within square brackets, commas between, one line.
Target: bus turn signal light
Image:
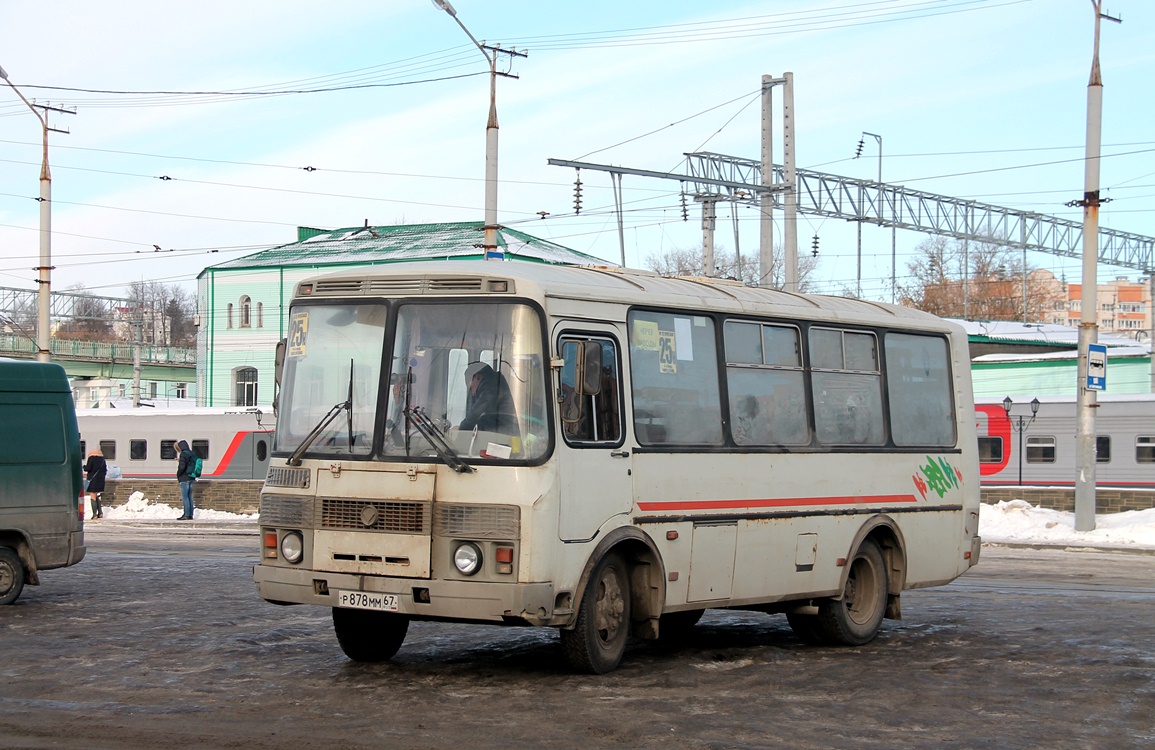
[(270, 543)]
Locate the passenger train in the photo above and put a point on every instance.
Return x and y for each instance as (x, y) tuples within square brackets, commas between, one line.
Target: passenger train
[(1015, 449), (233, 441)]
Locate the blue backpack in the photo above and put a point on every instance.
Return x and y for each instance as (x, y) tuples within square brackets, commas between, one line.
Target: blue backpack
[(194, 468)]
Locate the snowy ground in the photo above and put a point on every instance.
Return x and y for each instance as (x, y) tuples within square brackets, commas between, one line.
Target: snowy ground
[(1012, 522)]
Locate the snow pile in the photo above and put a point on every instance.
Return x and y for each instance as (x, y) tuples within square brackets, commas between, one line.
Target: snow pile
[(1019, 522), (140, 508)]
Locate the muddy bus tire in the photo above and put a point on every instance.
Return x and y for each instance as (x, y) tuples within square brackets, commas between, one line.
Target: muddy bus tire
[(369, 636), (855, 619), (598, 639), (11, 575)]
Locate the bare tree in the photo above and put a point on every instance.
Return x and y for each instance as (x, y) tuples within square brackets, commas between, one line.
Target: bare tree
[(89, 321), (690, 262), (165, 311), (982, 280)]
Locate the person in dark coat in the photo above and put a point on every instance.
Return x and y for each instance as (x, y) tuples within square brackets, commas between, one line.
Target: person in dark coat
[(489, 406), (95, 469), (185, 459)]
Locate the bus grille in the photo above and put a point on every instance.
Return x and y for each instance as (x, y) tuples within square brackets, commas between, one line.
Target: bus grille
[(390, 516), (282, 477), (278, 510), (477, 521)]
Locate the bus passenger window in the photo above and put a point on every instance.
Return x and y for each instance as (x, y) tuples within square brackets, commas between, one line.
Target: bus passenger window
[(674, 377), (847, 387), (767, 393), (589, 401)]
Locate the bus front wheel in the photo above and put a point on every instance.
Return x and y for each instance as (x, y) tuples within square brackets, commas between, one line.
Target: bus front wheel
[(11, 575), (598, 640), (855, 619), (369, 636)]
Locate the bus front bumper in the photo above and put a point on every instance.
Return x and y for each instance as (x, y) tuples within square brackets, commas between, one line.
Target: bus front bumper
[(418, 597)]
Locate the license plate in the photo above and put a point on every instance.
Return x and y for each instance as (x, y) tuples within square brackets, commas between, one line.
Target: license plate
[(363, 600)]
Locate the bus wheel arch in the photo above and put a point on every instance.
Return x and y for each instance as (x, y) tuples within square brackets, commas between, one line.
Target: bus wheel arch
[(886, 534), (621, 593)]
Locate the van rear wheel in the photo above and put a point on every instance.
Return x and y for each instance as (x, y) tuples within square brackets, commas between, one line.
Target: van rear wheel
[(369, 636), (11, 575)]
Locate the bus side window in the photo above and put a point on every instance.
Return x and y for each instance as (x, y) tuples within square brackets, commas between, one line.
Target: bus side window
[(589, 400)]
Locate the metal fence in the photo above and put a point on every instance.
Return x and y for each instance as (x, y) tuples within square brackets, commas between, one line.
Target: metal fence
[(100, 351)]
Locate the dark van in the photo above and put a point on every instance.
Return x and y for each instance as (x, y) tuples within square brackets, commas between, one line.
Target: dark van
[(40, 475)]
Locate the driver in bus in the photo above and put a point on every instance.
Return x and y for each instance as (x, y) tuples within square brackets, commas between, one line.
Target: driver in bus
[(489, 406)]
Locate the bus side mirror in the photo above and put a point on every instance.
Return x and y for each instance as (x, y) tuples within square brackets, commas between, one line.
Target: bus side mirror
[(278, 370), (591, 368)]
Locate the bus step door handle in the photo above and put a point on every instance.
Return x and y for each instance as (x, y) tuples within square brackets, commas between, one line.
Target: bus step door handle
[(620, 454)]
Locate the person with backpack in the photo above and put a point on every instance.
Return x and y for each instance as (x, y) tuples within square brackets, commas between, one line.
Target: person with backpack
[(186, 474)]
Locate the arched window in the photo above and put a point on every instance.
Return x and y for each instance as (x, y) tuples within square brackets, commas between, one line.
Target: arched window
[(260, 315), (246, 386), (230, 316), (246, 312)]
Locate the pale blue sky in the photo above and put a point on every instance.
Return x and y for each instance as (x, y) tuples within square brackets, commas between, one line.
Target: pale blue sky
[(953, 86)]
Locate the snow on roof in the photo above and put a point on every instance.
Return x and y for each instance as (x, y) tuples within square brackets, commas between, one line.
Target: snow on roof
[(408, 242)]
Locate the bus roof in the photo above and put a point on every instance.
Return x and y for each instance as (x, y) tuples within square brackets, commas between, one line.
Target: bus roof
[(27, 376), (615, 285)]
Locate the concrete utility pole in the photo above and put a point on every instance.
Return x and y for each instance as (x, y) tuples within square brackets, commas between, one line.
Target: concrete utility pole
[(491, 53), (790, 198), (43, 325), (1088, 317)]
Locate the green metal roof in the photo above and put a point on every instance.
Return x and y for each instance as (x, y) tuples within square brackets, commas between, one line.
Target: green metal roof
[(408, 242)]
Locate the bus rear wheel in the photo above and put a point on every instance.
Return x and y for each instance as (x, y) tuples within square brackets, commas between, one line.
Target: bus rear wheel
[(855, 619), (598, 640), (369, 636), (11, 575)]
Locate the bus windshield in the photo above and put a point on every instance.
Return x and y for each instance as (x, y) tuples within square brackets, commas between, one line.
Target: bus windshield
[(469, 377), (331, 379)]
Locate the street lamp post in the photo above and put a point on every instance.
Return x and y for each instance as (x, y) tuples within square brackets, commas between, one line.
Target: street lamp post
[(43, 340), (490, 53), (1021, 427)]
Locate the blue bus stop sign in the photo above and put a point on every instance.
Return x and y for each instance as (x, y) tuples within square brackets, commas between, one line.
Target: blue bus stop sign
[(1096, 367)]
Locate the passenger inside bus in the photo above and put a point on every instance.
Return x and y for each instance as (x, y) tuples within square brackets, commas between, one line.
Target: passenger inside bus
[(489, 405)]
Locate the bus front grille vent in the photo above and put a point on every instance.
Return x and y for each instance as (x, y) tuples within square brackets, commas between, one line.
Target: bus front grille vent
[(460, 284), (288, 477), (278, 510), (477, 521), (337, 287), (390, 516)]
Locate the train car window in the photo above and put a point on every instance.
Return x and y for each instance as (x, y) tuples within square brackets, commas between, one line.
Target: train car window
[(1103, 449), (990, 450), (1145, 450), (108, 449), (262, 450), (1041, 450), (138, 450), (168, 449), (200, 449), (83, 449)]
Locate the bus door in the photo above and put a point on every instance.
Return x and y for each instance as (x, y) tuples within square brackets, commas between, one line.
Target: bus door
[(595, 462)]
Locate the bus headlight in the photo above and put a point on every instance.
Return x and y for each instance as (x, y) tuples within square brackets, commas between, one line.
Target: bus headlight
[(467, 558), (292, 547)]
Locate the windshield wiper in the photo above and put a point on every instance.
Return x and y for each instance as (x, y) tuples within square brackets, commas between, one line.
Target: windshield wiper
[(347, 405), (436, 438)]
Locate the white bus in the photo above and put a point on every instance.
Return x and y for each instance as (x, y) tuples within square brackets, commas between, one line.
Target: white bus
[(610, 452)]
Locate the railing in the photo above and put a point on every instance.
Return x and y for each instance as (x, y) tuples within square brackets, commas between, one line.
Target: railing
[(100, 351)]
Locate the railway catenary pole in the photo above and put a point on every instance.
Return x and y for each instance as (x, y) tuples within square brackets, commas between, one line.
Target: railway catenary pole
[(1088, 316)]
